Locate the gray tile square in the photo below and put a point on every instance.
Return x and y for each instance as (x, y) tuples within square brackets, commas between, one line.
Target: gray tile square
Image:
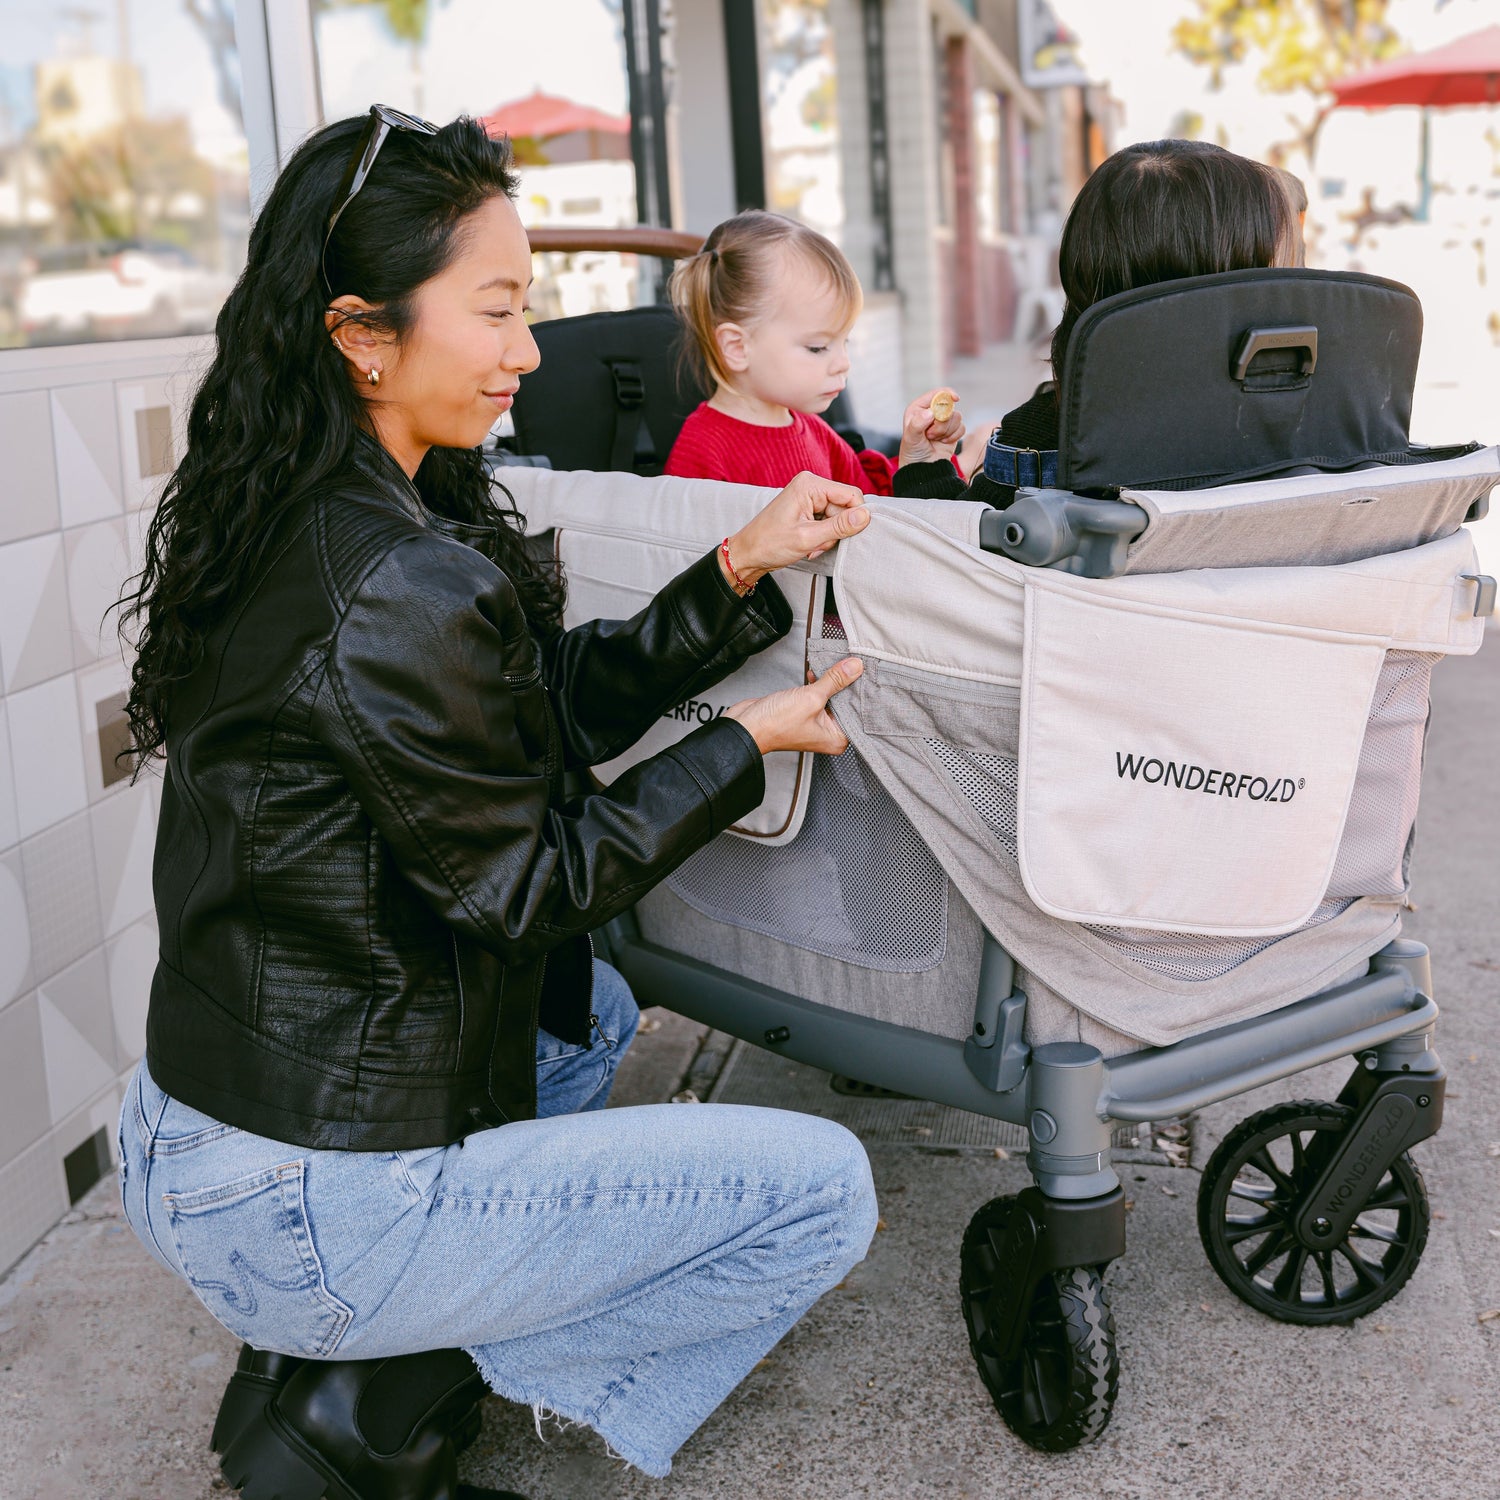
[(86, 439), (112, 724), (24, 1115), (35, 629), (28, 484), (15, 929), (35, 1195), (62, 895), (153, 433), (153, 441)]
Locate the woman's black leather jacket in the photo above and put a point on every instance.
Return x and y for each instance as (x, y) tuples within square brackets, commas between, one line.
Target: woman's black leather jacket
[(368, 881)]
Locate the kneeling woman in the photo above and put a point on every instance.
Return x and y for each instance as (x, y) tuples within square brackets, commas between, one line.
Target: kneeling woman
[(366, 1127)]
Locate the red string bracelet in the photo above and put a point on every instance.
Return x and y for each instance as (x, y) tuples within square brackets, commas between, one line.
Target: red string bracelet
[(740, 586)]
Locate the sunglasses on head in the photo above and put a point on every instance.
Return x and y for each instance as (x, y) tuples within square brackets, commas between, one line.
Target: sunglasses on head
[(383, 120)]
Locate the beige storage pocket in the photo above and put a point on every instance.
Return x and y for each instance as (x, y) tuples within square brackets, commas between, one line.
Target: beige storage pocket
[(613, 577), (1181, 771)]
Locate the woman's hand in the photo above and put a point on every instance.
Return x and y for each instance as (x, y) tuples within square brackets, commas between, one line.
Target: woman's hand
[(798, 718), (924, 440), (807, 518)]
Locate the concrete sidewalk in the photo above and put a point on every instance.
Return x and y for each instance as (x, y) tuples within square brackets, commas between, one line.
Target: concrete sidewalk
[(110, 1371)]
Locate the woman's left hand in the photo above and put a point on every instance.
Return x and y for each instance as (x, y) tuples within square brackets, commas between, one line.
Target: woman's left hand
[(807, 518)]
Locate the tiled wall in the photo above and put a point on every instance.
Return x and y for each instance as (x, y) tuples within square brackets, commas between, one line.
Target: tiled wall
[(82, 461)]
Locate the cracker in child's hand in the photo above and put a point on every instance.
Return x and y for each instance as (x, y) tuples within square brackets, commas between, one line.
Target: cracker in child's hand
[(942, 406)]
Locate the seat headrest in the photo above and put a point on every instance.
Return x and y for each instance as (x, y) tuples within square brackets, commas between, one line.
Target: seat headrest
[(1211, 378)]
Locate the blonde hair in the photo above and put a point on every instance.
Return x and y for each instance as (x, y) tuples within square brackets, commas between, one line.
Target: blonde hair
[(733, 280)]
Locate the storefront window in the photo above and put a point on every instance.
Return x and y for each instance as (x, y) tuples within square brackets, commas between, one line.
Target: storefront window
[(804, 173), (124, 175), (552, 77)]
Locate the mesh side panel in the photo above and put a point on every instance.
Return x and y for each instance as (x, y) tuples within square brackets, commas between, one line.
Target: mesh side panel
[(989, 783), (1185, 955), (857, 883)]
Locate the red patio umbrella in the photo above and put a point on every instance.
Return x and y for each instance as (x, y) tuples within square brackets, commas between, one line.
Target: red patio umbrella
[(542, 115), (1465, 72)]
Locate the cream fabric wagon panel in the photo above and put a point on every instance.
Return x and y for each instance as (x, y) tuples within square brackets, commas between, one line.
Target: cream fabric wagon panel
[(614, 577), (692, 513), (1182, 773), (1309, 519)]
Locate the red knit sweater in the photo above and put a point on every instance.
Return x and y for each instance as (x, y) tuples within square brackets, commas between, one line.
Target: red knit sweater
[(714, 446)]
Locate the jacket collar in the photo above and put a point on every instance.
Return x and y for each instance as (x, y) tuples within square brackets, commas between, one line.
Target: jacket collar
[(377, 465)]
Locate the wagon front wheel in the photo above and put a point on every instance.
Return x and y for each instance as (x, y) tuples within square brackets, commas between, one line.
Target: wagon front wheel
[(1248, 1202), (1059, 1391)]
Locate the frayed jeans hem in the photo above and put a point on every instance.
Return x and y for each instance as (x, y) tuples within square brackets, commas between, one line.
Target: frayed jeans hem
[(618, 1445)]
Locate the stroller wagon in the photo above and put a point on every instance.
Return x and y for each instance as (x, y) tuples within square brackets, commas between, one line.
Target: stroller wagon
[(1125, 824)]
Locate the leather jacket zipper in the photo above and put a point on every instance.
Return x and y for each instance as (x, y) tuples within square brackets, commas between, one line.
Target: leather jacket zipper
[(458, 976)]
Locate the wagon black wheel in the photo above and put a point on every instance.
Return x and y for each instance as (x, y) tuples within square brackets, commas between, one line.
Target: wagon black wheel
[(1247, 1203), (1060, 1391)]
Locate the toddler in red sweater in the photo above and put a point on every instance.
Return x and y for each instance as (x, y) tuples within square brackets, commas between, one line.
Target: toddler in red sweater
[(767, 305)]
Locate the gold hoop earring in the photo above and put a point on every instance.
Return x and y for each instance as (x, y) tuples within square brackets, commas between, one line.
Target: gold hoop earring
[(373, 376)]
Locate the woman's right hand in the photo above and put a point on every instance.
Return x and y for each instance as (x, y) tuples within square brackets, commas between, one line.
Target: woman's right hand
[(807, 518), (798, 718)]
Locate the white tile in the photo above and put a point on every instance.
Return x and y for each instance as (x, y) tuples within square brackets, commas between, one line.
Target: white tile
[(101, 1112), (132, 964), (124, 843), (62, 895), (15, 929), (9, 830), (97, 685), (23, 1079), (97, 566), (28, 482), (76, 1073), (86, 439), (35, 631), (80, 993), (35, 1194), (47, 754)]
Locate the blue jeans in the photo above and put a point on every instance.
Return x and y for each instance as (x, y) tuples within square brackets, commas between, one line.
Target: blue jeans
[(622, 1269)]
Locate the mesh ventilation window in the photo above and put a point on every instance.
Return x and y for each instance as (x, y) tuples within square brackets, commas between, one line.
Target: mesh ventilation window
[(989, 784), (857, 883), (1186, 955)]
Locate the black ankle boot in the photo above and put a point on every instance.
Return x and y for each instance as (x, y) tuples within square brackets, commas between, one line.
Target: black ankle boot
[(370, 1429), (258, 1376)]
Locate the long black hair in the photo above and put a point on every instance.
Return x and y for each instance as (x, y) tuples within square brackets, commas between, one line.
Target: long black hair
[(276, 416), (1164, 209)]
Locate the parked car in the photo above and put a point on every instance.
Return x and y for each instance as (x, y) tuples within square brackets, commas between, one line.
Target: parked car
[(124, 289)]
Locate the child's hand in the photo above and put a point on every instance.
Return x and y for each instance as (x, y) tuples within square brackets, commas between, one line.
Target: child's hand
[(924, 439)]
